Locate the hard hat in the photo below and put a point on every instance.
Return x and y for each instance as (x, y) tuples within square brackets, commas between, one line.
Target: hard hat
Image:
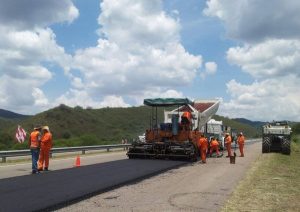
[(241, 133), (37, 127), (227, 133), (45, 128)]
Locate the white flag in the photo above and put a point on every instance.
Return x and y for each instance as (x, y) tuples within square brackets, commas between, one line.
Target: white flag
[(20, 134)]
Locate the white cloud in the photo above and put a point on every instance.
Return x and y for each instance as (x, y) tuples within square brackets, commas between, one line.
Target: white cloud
[(82, 98), (29, 14), (270, 99), (270, 53), (133, 24), (256, 20), (210, 69), (271, 58), (138, 55), (113, 101), (25, 45)]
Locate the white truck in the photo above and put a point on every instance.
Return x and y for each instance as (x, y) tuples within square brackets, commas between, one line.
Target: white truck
[(215, 129), (277, 137)]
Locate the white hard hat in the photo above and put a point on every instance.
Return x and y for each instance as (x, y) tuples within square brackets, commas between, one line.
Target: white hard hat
[(45, 128)]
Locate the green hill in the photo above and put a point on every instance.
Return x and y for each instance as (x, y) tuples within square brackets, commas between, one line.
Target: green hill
[(78, 126), (248, 130)]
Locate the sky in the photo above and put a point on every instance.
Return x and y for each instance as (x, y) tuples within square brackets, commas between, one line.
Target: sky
[(115, 53)]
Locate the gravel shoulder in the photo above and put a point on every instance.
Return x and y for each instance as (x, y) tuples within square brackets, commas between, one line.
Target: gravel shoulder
[(193, 187)]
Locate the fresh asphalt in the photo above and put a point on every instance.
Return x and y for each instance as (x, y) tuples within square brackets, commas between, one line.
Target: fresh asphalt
[(55, 189)]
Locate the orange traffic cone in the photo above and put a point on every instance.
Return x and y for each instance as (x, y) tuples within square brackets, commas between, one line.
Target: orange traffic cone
[(77, 163)]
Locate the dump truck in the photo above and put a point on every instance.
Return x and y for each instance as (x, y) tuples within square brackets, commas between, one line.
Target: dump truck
[(276, 137), (173, 138)]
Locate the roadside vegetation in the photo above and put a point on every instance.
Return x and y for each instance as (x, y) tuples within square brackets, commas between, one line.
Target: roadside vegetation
[(272, 184)]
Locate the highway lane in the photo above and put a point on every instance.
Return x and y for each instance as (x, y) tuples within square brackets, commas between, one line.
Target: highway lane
[(193, 187), (66, 184), (55, 188), (20, 169)]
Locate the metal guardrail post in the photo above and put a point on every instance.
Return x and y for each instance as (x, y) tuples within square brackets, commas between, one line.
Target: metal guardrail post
[(107, 149), (3, 159), (83, 152)]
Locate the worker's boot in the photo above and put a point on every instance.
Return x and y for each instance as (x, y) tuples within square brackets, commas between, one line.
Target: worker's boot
[(46, 169)]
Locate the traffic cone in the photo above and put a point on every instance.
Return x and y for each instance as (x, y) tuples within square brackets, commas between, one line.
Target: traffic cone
[(77, 163)]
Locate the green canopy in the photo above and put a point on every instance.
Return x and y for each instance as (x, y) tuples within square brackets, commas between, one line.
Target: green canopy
[(167, 101)]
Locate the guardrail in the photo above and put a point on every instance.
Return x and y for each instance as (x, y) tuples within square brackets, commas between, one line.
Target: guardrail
[(83, 149)]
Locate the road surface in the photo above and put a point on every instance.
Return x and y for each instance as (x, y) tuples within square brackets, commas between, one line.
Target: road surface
[(193, 187), (20, 169), (52, 189)]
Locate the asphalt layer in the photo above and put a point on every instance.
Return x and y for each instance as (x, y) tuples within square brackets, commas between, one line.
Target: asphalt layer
[(55, 189)]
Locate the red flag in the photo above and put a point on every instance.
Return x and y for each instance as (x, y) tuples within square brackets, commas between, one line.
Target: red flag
[(20, 134)]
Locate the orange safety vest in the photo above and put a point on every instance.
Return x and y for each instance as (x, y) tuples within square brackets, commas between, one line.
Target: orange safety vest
[(46, 140), (228, 140), (241, 139), (203, 143), (214, 143), (34, 139), (187, 115)]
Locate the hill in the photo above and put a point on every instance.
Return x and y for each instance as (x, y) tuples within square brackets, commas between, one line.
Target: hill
[(247, 129), (11, 115), (256, 124), (78, 126)]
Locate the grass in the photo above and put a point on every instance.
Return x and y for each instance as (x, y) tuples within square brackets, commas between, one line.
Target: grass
[(272, 184)]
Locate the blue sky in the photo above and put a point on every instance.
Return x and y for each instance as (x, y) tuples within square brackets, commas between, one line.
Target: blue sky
[(117, 52)]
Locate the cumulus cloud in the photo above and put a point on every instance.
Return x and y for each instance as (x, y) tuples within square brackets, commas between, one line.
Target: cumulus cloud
[(210, 69), (80, 97), (26, 43), (266, 100), (269, 53), (256, 20), (138, 53), (272, 58), (29, 14)]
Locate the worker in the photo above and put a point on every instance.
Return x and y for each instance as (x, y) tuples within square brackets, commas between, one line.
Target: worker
[(186, 119), (46, 145), (214, 146), (241, 142), (34, 145), (202, 145), (228, 141)]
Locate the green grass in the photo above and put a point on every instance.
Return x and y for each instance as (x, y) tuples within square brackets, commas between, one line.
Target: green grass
[(272, 184)]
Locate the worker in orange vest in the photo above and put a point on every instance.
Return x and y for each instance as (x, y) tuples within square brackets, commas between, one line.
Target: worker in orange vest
[(34, 145), (241, 142), (46, 145), (186, 119), (214, 146), (202, 145), (228, 141)]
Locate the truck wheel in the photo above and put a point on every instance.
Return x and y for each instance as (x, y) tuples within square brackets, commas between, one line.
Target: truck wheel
[(266, 145), (286, 146)]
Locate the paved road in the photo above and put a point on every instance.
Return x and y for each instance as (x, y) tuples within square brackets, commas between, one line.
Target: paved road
[(68, 184), (42, 191), (20, 169), (194, 187)]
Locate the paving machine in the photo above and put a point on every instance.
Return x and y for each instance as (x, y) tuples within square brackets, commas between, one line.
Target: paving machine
[(175, 138)]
